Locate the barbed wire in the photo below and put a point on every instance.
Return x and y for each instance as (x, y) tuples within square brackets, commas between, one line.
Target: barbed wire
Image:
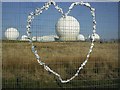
[(39, 11)]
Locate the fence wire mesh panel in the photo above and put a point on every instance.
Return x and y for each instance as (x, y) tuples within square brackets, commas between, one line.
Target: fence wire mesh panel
[(62, 42)]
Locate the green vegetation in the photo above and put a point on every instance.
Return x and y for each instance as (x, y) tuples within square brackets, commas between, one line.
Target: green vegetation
[(21, 70)]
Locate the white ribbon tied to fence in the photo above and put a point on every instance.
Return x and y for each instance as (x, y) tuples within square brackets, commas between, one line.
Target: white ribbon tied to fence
[(39, 11)]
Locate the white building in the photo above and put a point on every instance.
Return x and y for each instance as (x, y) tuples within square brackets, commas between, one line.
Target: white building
[(49, 38)]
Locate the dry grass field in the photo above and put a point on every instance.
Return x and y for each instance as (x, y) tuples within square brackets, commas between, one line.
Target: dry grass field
[(21, 70)]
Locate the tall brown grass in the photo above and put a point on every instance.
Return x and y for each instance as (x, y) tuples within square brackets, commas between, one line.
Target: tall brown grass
[(20, 68)]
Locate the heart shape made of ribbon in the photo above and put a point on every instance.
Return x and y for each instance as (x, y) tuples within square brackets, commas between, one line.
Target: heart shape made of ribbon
[(39, 11)]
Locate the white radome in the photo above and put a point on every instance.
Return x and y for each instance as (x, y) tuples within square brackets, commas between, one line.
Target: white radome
[(67, 28), (24, 38), (80, 37), (34, 38), (96, 37), (11, 34)]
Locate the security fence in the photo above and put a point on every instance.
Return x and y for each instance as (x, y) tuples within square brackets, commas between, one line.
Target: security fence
[(62, 43)]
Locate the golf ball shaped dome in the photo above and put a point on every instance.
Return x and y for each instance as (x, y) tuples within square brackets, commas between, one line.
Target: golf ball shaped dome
[(80, 37), (11, 34), (68, 28), (96, 37)]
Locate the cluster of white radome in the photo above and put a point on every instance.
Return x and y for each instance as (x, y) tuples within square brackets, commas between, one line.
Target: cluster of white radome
[(67, 29), (50, 38), (13, 34)]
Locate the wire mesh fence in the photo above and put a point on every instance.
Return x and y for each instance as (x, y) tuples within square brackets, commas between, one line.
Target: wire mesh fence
[(20, 68)]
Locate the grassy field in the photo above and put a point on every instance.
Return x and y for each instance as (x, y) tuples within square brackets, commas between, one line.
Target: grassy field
[(21, 70)]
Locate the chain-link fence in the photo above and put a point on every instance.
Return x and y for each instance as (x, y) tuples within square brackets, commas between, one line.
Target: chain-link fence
[(62, 44)]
